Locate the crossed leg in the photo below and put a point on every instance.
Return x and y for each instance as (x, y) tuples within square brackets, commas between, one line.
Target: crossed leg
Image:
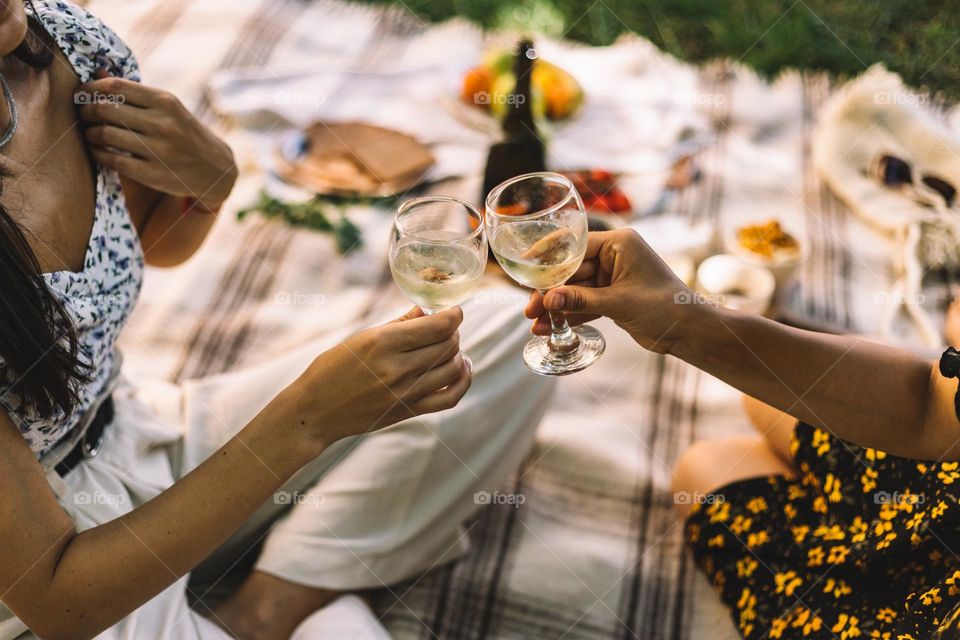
[(267, 606), (391, 505), (709, 464)]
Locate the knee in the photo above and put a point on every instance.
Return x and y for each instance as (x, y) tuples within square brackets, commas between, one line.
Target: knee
[(688, 475), (708, 465), (689, 468)]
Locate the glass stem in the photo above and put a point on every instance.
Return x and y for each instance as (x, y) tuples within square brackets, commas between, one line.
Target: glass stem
[(562, 338)]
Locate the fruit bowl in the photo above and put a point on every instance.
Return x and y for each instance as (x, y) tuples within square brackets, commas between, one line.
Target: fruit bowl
[(487, 88)]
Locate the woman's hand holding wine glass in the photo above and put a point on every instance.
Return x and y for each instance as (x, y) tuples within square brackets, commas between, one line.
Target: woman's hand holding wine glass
[(378, 377), (413, 365), (624, 279)]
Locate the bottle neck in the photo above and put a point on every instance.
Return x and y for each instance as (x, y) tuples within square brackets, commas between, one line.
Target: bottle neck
[(519, 122)]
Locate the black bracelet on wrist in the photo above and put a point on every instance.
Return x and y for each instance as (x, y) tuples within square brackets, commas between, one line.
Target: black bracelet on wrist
[(950, 368)]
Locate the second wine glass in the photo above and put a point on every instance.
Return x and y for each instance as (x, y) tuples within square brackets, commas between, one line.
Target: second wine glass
[(537, 228), (438, 250)]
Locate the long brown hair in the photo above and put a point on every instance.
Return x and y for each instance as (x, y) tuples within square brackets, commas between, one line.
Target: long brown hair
[(38, 341)]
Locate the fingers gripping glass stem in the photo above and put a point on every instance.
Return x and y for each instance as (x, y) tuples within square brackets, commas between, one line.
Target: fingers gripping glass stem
[(562, 338)]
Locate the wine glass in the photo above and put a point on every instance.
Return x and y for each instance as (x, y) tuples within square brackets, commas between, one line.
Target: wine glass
[(438, 251), (537, 228)]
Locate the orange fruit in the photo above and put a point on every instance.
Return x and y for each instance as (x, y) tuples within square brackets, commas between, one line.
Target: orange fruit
[(477, 80)]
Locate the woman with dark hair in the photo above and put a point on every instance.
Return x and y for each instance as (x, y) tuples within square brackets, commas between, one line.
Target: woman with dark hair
[(839, 519), (107, 507)]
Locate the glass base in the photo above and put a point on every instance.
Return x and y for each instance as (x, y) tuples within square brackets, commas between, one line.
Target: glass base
[(541, 360)]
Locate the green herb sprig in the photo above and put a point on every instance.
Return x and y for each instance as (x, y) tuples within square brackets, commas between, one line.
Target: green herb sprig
[(315, 214)]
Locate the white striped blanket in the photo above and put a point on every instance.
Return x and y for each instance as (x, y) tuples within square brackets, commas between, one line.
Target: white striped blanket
[(594, 551)]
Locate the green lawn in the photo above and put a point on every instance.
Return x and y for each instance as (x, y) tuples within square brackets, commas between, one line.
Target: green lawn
[(920, 39)]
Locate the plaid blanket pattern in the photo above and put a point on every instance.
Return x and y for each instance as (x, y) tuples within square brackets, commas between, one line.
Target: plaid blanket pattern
[(594, 550)]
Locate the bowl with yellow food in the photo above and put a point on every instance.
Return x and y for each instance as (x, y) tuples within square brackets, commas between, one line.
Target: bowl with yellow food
[(770, 245)]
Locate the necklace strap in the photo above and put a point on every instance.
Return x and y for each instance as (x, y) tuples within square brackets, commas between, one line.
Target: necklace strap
[(12, 107)]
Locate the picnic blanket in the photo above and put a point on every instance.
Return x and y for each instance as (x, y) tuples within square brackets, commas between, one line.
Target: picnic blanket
[(593, 549)]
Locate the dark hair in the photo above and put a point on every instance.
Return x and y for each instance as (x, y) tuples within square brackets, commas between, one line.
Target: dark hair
[(38, 341)]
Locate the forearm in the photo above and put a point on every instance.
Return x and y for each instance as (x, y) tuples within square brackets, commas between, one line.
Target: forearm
[(133, 558), (62, 583), (868, 393), (171, 234)]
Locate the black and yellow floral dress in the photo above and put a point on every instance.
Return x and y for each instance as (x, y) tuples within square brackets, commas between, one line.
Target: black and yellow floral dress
[(860, 544)]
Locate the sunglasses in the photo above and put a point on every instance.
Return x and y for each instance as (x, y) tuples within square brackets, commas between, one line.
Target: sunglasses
[(894, 172)]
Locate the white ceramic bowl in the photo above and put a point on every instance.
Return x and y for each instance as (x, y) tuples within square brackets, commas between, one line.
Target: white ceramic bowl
[(729, 281)]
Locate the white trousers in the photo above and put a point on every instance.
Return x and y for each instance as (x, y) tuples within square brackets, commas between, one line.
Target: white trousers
[(369, 512)]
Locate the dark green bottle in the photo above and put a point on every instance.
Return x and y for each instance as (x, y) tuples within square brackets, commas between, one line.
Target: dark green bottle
[(521, 150)]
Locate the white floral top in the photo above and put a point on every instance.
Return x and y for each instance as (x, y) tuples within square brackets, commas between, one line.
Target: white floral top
[(101, 296)]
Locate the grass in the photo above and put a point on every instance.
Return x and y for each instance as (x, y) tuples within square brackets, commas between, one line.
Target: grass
[(920, 39)]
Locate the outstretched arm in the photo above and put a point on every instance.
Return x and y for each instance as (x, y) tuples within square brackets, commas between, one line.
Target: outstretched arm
[(867, 393), (65, 584)]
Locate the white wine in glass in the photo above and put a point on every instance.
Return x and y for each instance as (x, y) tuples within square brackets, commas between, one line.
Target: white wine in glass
[(438, 250), (537, 227), (539, 255)]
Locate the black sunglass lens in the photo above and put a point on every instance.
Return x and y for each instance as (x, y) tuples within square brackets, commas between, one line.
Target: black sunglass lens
[(895, 171), (942, 187)]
